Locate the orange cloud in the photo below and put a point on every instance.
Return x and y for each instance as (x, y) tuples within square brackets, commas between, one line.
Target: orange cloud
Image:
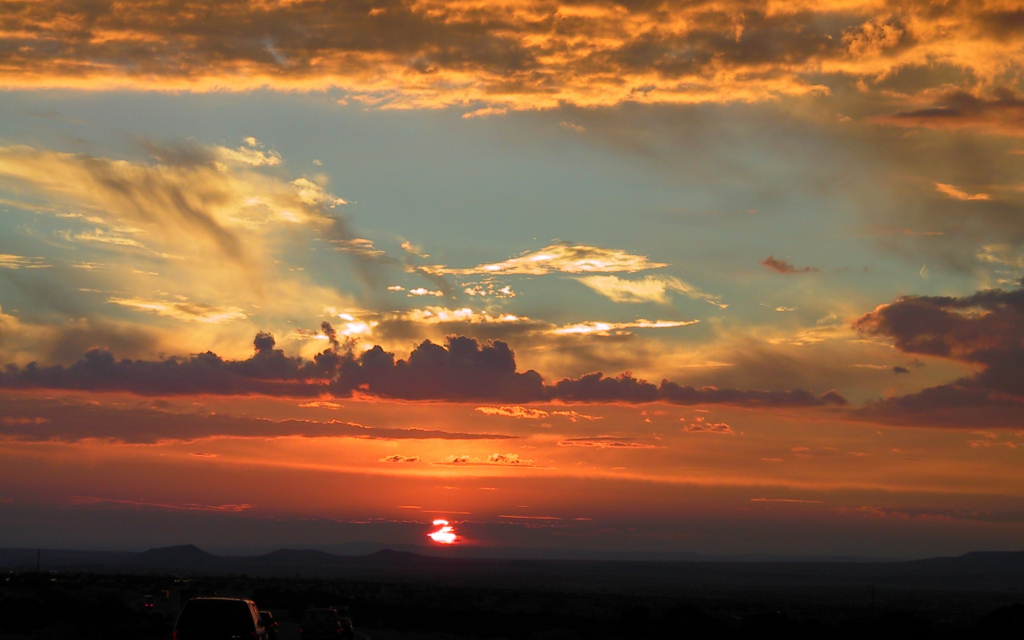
[(957, 194), (497, 55), (514, 412)]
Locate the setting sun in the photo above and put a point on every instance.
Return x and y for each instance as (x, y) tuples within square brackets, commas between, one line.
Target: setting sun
[(445, 534)]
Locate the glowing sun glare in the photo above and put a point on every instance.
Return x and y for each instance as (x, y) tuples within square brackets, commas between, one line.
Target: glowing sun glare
[(444, 535)]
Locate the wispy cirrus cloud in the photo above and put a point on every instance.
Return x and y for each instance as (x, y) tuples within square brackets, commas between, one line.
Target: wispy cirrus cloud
[(9, 261), (648, 289), (71, 420), (999, 110), (183, 310), (606, 442), (606, 328), (163, 506), (187, 199)]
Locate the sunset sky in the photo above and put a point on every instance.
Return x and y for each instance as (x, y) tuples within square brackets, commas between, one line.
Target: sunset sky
[(712, 276)]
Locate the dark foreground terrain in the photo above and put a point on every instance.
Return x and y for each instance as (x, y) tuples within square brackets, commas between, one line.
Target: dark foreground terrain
[(400, 596)]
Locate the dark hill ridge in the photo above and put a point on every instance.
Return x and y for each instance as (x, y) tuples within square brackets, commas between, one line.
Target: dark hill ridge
[(979, 571), (186, 556)]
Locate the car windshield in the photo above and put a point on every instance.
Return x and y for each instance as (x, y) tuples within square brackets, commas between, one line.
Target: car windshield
[(216, 616)]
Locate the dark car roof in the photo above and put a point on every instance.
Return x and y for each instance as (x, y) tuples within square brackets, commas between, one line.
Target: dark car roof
[(216, 618)]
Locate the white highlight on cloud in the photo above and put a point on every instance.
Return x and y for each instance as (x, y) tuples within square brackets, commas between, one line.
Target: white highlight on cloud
[(439, 315), (313, 194), (605, 328), (485, 289), (952, 192), (398, 458), (420, 291), (563, 258), (250, 156), (183, 310), (648, 289)]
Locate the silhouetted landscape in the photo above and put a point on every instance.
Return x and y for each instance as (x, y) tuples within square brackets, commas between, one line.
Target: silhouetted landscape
[(402, 595)]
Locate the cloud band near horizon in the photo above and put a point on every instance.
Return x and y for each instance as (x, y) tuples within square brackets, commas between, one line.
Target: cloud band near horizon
[(463, 370)]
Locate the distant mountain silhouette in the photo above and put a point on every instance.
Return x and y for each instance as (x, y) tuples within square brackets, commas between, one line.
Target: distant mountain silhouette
[(181, 557), (972, 571)]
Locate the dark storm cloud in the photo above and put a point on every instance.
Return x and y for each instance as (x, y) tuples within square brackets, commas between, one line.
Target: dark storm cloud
[(461, 370), (41, 419), (985, 329)]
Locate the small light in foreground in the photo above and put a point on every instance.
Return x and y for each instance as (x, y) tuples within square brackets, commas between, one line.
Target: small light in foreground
[(444, 535)]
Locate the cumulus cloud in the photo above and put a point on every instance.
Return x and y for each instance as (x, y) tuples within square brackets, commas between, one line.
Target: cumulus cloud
[(495, 56), (398, 458), (985, 329), (781, 266), (702, 425), (461, 370), (565, 258), (495, 459), (648, 289)]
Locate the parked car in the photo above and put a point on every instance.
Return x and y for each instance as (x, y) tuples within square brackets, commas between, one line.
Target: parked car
[(270, 623), (219, 619), (320, 623)]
